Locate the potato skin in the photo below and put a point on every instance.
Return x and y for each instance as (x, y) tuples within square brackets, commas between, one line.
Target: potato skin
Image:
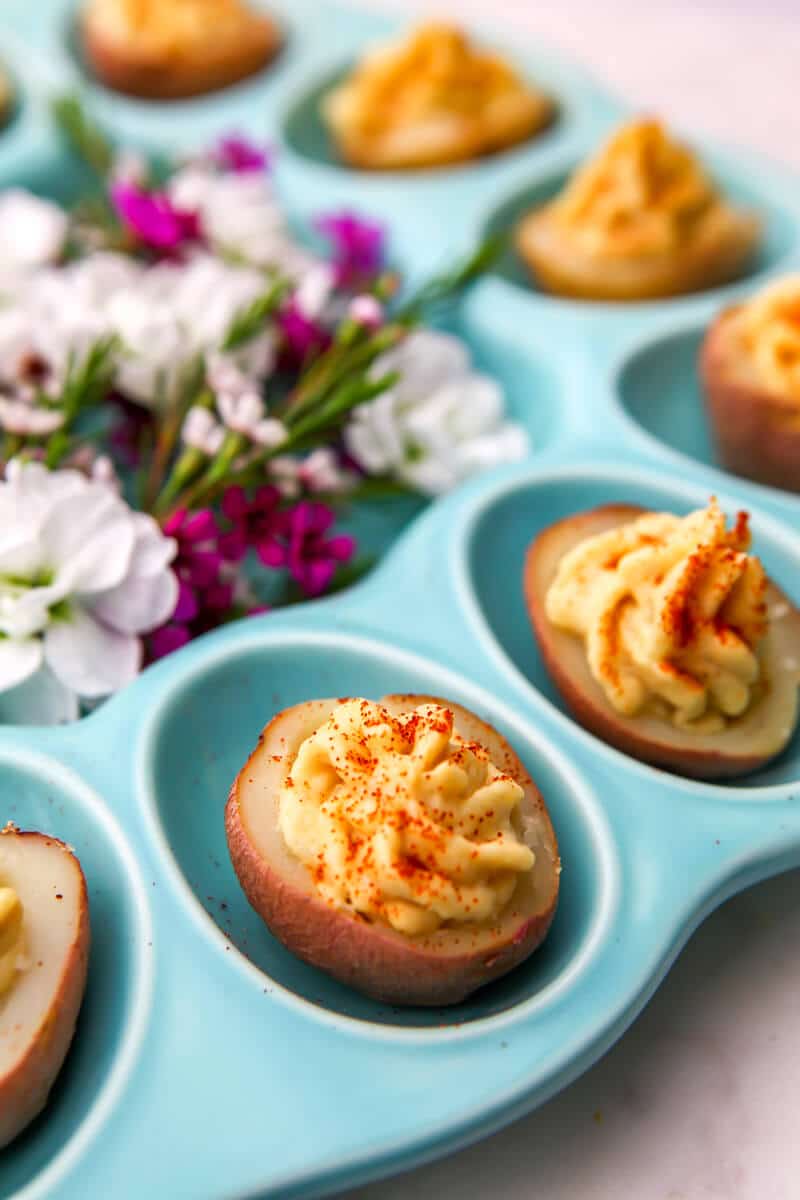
[(563, 272), (176, 79), (371, 957), (752, 435), (25, 1089), (593, 712)]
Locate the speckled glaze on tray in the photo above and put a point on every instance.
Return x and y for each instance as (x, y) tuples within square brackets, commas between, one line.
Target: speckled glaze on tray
[(208, 1062)]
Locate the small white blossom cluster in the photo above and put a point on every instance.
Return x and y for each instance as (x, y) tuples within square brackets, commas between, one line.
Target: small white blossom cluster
[(441, 422), (162, 314), (82, 576), (241, 218), (239, 406)]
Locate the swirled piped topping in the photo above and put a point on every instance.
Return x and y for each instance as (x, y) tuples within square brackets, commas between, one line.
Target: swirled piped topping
[(672, 611), (171, 26), (769, 330), (12, 938), (436, 70), (399, 819), (642, 193)]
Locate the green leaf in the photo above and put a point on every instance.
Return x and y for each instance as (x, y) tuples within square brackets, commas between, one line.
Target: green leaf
[(250, 320), (85, 138), (449, 285)]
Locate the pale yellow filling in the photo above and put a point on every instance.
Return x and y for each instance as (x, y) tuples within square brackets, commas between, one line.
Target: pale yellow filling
[(672, 610), (435, 71), (769, 329), (642, 193), (171, 27), (12, 938), (400, 819)]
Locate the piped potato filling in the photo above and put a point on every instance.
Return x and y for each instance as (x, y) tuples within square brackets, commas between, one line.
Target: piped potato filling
[(768, 330), (12, 938), (642, 193), (434, 94), (172, 27), (672, 611), (400, 819)]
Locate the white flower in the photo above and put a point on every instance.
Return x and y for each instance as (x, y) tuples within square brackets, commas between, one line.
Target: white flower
[(284, 471), (315, 290), (240, 216), (153, 345), (322, 472), (25, 419), (440, 422), (129, 167), (239, 403), (81, 577), (269, 433), (202, 432), (102, 470), (32, 231), (366, 310)]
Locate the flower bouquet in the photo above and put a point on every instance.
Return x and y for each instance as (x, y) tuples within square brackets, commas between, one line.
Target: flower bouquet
[(191, 399)]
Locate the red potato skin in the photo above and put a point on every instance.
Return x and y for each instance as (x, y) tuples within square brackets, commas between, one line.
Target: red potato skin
[(751, 433), (24, 1091), (161, 79), (369, 957), (600, 718)]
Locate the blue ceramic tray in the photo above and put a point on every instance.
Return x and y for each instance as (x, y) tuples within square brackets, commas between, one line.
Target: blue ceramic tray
[(208, 1062)]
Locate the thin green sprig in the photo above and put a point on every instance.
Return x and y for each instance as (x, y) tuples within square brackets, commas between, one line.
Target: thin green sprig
[(251, 320), (88, 381), (84, 137), (451, 284)]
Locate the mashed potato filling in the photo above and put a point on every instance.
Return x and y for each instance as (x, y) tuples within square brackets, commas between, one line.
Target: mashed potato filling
[(170, 26), (672, 610), (400, 819), (643, 193), (12, 938), (769, 327), (434, 71)]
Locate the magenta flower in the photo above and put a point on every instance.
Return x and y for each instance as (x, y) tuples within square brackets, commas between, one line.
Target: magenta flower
[(302, 337), (255, 523), (205, 593), (167, 639), (310, 556), (235, 153), (153, 218), (358, 246)]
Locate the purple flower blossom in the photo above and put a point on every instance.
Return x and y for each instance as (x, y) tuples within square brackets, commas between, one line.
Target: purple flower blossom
[(358, 247), (153, 218), (302, 336), (167, 639), (310, 556), (254, 523), (205, 594), (236, 153)]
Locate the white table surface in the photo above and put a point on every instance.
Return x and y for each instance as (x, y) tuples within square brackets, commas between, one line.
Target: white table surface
[(700, 1100)]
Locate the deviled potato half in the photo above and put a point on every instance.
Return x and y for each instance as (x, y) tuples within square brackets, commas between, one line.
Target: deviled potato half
[(168, 49), (431, 99), (640, 220), (665, 637), (44, 952), (401, 846), (750, 371)]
